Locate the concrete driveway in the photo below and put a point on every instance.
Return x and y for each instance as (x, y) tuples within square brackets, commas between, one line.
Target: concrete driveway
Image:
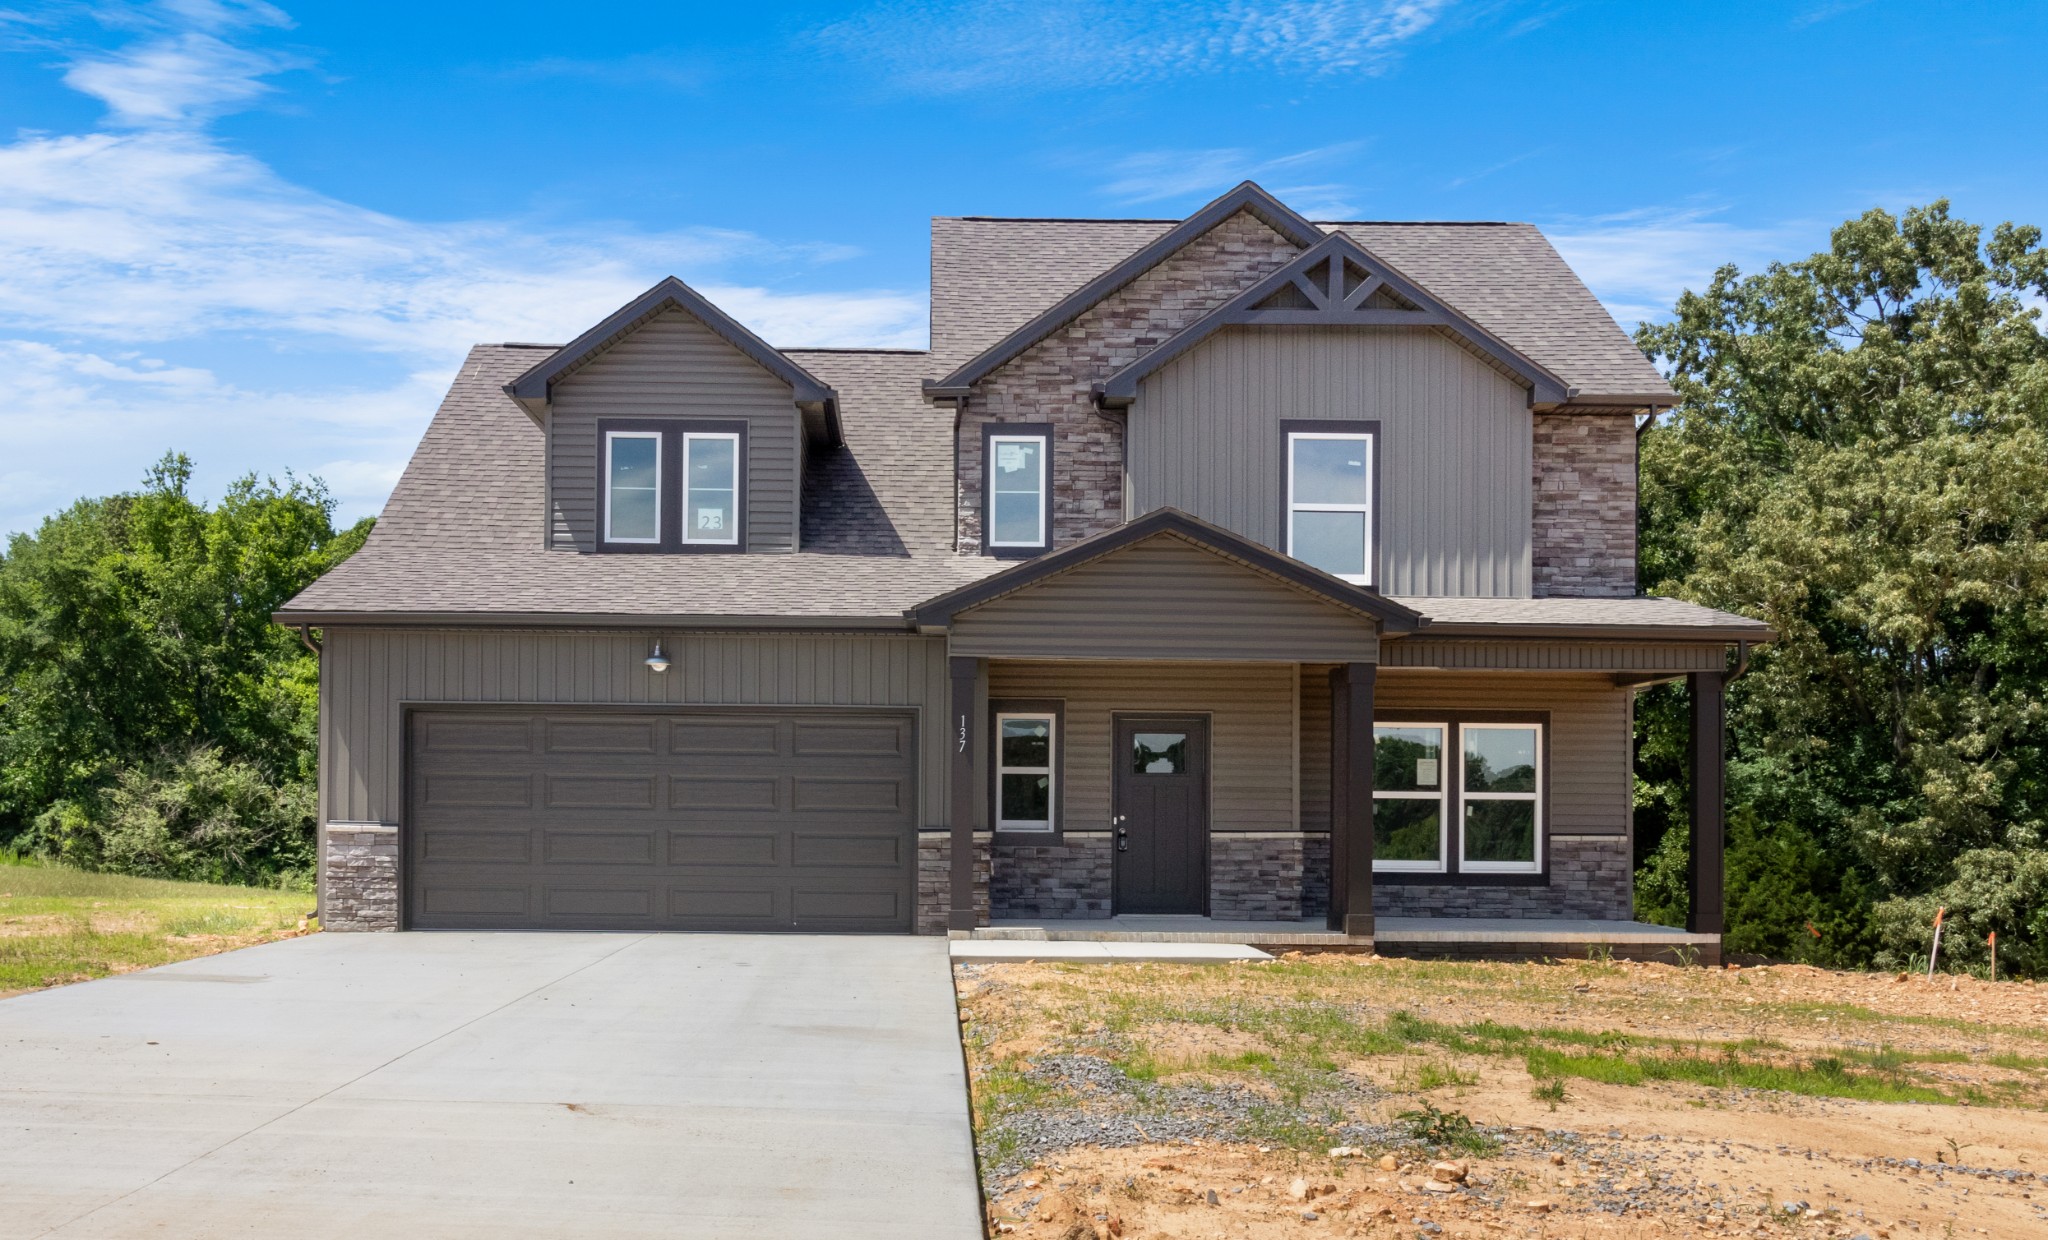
[(495, 1085)]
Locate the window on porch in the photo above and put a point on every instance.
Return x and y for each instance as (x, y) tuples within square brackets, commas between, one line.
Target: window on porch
[(1493, 797), (1024, 772)]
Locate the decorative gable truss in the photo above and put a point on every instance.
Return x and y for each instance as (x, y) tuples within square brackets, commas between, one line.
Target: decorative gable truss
[(1337, 283)]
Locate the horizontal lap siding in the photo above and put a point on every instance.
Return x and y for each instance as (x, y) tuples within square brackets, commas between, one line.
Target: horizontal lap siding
[(1251, 731), (1163, 598), (1558, 656), (369, 675), (675, 367), (1455, 445), (1590, 745)]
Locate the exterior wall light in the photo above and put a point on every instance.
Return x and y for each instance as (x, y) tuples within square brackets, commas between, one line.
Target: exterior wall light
[(657, 662)]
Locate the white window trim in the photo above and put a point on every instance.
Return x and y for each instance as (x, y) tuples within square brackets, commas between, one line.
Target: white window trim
[(1365, 437), (690, 439), (1044, 486), (1049, 770), (1442, 796), (1465, 797), (609, 438)]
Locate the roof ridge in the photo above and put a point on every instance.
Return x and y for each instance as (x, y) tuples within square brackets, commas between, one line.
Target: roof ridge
[(1132, 219)]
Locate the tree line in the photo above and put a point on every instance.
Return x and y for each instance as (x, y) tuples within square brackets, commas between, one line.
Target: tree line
[(1859, 458)]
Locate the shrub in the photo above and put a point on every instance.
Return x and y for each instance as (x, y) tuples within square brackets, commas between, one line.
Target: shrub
[(187, 815)]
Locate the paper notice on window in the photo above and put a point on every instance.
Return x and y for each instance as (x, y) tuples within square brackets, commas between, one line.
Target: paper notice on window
[(1425, 771), (1011, 457), (711, 518)]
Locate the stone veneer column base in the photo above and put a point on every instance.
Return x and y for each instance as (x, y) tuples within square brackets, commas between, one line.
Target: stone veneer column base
[(935, 880), (1258, 877), (1068, 879), (361, 880)]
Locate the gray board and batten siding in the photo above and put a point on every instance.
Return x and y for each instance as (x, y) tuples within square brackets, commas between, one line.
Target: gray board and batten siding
[(672, 366), (372, 677), (1164, 598), (1455, 446)]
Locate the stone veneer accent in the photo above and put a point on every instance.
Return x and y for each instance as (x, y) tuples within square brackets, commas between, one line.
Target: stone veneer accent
[(361, 878), (1069, 879), (1590, 876), (1256, 877), (1583, 537), (935, 880), (1052, 380)]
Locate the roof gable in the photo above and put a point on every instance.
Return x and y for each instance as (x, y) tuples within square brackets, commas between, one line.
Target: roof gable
[(1246, 197), (1337, 282), (531, 388), (1391, 617)]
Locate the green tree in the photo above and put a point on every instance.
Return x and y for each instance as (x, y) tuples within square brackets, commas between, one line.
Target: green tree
[(135, 631), (1860, 458)]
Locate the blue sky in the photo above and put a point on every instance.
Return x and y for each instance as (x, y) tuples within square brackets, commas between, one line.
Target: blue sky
[(265, 235)]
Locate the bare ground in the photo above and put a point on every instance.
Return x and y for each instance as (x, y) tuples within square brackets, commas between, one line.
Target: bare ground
[(1616, 1100)]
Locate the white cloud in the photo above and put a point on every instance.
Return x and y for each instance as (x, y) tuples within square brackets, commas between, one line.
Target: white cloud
[(1639, 262), (1013, 44), (176, 81), (128, 252), (1156, 176)]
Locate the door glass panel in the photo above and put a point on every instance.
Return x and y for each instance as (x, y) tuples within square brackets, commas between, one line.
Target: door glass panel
[(1406, 830), (1026, 798), (1027, 742), (1329, 471), (1159, 753), (1331, 541), (1499, 831), (1407, 759), (1500, 759)]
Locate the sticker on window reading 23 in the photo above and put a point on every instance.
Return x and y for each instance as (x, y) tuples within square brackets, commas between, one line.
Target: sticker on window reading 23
[(1011, 457), (711, 518), (1425, 770)]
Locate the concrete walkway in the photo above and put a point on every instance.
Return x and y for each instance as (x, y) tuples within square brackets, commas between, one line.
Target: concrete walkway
[(495, 1085)]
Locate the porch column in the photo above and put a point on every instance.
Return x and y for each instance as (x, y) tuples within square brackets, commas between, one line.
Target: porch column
[(1351, 686), (1709, 807), (962, 744)]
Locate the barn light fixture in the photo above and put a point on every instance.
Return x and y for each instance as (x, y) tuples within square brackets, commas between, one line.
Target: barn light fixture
[(657, 662)]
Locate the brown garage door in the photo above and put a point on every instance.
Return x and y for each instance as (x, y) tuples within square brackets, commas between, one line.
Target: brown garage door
[(711, 820)]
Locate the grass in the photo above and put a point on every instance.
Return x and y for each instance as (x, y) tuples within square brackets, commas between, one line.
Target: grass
[(61, 925)]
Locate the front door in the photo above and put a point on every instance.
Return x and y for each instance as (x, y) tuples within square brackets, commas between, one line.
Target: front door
[(1162, 813)]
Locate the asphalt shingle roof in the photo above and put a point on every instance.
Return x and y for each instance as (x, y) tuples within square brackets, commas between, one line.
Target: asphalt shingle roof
[(462, 531), (990, 276)]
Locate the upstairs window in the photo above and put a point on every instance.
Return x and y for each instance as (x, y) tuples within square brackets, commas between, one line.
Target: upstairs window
[(671, 485), (711, 488), (632, 501), (1330, 484), (1019, 487)]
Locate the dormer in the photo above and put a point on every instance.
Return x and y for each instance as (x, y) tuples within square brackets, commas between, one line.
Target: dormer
[(672, 429)]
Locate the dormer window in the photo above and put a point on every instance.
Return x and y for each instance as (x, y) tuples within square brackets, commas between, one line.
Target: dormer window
[(672, 484), (632, 471), (1018, 489), (711, 472), (1332, 483)]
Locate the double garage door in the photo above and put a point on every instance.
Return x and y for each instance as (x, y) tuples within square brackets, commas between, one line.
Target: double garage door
[(695, 820)]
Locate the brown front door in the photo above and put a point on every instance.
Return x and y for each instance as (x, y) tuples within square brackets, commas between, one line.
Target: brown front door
[(1162, 813)]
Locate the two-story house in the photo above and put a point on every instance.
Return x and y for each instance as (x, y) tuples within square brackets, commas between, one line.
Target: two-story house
[(1238, 566)]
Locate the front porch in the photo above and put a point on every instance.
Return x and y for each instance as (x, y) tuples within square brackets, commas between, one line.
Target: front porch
[(1427, 937), (1165, 721)]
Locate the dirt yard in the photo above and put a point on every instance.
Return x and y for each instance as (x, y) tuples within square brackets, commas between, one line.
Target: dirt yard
[(1361, 1096)]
